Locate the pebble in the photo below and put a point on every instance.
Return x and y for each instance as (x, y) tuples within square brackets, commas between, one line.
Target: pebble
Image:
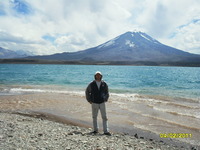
[(34, 133)]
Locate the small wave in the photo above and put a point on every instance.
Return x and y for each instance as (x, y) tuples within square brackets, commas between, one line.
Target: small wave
[(172, 122), (187, 115), (183, 106), (159, 121), (179, 112), (170, 98), (21, 90), (31, 90), (153, 100), (125, 95)]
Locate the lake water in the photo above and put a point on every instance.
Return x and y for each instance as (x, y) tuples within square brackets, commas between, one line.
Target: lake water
[(170, 96), (181, 82)]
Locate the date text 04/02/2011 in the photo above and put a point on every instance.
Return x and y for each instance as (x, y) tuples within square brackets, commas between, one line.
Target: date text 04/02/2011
[(175, 135)]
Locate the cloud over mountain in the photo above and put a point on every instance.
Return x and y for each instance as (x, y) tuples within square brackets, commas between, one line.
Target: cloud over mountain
[(51, 26)]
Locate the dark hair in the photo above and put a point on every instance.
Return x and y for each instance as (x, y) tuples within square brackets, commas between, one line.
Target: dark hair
[(95, 76)]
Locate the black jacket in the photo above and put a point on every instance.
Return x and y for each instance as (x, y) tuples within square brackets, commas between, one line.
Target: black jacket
[(95, 95)]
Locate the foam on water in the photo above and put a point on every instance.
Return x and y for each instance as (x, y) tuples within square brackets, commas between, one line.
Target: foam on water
[(23, 89)]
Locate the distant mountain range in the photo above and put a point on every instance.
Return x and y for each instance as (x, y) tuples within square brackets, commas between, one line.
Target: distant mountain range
[(6, 54), (128, 47), (135, 48)]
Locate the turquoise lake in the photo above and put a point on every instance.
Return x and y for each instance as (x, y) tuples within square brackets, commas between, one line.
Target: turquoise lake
[(183, 82)]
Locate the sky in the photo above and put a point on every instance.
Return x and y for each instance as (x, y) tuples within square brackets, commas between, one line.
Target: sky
[(44, 27)]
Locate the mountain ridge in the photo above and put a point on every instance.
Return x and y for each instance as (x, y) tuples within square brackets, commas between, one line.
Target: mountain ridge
[(8, 54), (128, 47)]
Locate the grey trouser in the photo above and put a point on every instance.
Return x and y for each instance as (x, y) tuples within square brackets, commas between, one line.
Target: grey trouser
[(95, 110)]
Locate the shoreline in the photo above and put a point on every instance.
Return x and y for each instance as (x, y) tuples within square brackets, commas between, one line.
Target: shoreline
[(131, 132), (112, 63), (71, 109), (38, 126)]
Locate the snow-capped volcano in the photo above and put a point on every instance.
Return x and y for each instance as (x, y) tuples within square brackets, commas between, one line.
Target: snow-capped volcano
[(130, 46), (130, 40)]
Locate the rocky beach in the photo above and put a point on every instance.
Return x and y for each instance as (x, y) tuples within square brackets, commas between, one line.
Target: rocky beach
[(63, 121), (36, 132)]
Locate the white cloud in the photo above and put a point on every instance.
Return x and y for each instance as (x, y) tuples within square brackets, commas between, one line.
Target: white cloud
[(52, 26), (187, 38)]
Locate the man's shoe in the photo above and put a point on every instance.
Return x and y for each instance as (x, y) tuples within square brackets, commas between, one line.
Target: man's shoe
[(107, 133), (94, 132)]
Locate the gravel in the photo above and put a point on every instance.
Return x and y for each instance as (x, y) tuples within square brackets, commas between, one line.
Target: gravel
[(19, 132)]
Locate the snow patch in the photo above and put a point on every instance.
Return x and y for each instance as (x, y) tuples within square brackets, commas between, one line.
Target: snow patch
[(156, 42), (111, 42), (129, 43), (107, 44), (150, 39), (146, 37)]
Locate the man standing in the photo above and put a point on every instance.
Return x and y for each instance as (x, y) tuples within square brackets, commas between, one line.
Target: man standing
[(97, 94)]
